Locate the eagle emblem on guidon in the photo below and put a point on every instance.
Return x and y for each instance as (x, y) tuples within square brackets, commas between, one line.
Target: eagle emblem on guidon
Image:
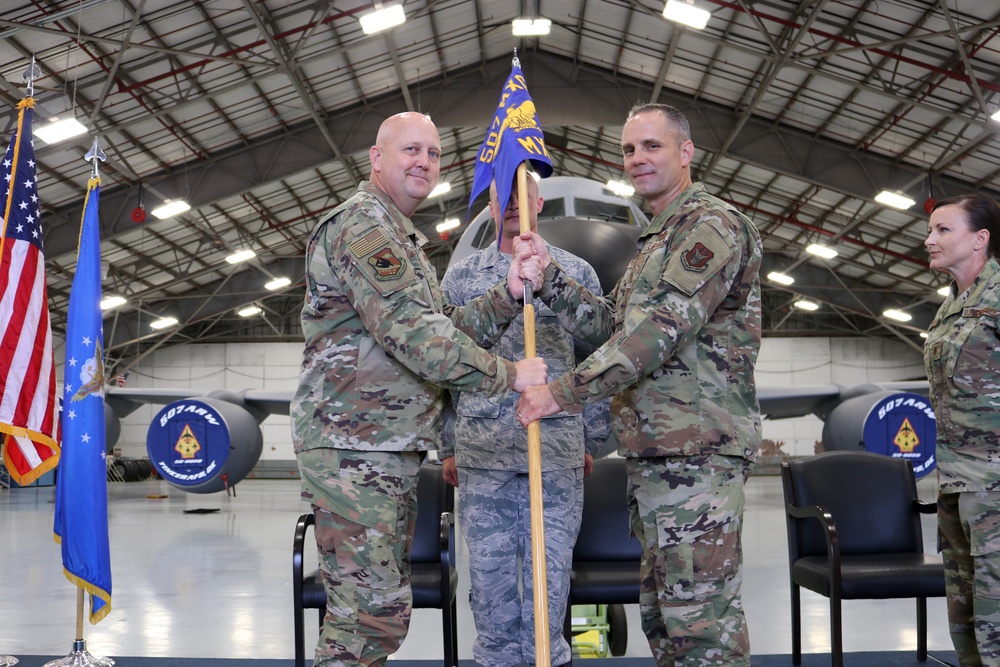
[(387, 266), (521, 117), (92, 376), (697, 257)]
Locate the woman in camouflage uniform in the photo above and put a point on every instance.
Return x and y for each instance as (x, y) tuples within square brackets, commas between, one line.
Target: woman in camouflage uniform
[(962, 356)]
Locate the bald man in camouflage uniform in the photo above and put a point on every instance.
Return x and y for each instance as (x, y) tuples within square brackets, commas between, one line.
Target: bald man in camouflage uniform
[(683, 331), (381, 348), (962, 358), (490, 451)]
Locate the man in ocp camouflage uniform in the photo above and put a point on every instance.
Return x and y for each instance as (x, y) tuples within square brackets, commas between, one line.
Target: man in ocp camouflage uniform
[(490, 451), (381, 348), (682, 332)]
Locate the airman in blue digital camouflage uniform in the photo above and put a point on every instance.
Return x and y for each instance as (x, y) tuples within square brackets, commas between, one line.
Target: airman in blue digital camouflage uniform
[(381, 349), (682, 332), (486, 455), (962, 356)]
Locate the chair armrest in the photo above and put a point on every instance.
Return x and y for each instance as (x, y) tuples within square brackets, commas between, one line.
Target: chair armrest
[(829, 532), (924, 507), (298, 547), (447, 518)]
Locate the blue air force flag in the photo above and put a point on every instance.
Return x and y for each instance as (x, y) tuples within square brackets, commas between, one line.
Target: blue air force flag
[(514, 135), (81, 520)]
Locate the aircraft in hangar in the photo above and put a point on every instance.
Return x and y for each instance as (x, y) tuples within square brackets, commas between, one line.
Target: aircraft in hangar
[(204, 441)]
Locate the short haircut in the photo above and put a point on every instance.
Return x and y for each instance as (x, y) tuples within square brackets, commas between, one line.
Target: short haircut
[(981, 212), (677, 120)]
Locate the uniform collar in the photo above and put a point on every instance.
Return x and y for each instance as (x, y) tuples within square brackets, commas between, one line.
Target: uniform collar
[(395, 215), (659, 223), (986, 277)]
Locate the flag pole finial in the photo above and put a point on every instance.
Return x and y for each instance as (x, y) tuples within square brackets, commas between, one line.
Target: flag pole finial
[(94, 155), (515, 62), (33, 72)]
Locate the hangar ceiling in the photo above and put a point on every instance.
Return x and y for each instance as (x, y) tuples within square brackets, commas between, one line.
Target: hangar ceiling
[(260, 113)]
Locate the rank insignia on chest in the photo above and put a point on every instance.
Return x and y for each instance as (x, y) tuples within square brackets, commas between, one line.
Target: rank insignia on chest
[(697, 257), (387, 266)]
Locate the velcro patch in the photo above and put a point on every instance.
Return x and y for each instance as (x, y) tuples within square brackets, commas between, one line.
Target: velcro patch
[(696, 257), (375, 250), (976, 313)]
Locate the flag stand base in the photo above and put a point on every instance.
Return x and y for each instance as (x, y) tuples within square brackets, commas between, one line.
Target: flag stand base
[(7, 660), (80, 657)]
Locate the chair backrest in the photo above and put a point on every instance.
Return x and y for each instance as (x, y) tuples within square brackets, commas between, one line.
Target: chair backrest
[(605, 529), (870, 497), (432, 499)]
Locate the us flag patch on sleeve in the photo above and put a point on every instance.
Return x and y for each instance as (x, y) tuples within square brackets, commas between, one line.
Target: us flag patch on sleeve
[(375, 250)]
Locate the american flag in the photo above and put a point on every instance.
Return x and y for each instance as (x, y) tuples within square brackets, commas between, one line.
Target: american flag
[(29, 409)]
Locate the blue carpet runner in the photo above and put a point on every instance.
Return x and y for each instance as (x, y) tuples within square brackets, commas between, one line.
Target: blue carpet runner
[(871, 659)]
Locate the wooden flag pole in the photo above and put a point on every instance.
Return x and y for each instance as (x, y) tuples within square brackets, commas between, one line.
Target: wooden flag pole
[(538, 568), (79, 613)]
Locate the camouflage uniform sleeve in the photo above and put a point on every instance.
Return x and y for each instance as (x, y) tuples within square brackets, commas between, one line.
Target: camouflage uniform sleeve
[(580, 308), (671, 297), (401, 314), (596, 416), (485, 318), (453, 295)]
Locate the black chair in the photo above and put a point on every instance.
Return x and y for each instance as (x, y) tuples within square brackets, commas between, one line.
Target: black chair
[(606, 557), (433, 578), (854, 533)]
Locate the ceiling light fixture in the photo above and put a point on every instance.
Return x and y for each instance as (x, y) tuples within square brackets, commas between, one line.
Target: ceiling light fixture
[(440, 189), (894, 200), (621, 188), (249, 311), (686, 13), (59, 130), (806, 305), (382, 19), (530, 27), (945, 291), (113, 301), (996, 116), (821, 250), (897, 315), (447, 225), (277, 283), (241, 256), (780, 278), (163, 323), (170, 208)]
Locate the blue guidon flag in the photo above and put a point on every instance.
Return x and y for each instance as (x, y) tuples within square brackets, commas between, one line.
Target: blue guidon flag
[(514, 135)]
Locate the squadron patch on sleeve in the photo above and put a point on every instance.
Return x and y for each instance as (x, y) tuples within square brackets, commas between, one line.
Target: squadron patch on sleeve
[(696, 257), (374, 251)]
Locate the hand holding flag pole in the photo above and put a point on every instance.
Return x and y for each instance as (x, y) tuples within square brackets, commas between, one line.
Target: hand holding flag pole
[(537, 506), (513, 138)]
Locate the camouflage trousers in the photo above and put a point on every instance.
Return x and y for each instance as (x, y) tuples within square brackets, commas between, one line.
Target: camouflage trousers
[(494, 516), (969, 525), (366, 508), (687, 513)]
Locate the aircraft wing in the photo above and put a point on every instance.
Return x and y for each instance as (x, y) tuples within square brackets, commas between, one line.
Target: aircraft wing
[(125, 400), (820, 399)]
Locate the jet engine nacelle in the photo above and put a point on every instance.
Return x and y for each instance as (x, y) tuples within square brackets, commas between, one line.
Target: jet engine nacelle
[(203, 444), (891, 423)]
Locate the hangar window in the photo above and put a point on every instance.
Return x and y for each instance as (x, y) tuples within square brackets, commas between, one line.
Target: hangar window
[(485, 235)]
